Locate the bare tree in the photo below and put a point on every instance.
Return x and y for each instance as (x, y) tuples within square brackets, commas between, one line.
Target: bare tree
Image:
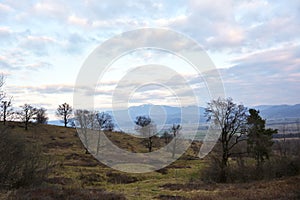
[(83, 121), (146, 128), (64, 111), (175, 130), (167, 136), (6, 105), (298, 125), (6, 109), (105, 122), (282, 144), (41, 116), (231, 119), (27, 113)]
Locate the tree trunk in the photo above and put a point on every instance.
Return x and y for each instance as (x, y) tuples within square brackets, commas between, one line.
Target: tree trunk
[(223, 173), (98, 143), (26, 125), (174, 147), (150, 144), (4, 114), (65, 120)]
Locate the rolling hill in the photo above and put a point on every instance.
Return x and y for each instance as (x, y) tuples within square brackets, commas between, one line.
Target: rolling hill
[(73, 174)]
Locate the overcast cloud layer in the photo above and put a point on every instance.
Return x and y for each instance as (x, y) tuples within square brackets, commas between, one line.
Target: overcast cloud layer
[(255, 44)]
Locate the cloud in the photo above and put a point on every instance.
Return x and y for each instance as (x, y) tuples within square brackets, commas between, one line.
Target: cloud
[(50, 8), (5, 32), (73, 19), (39, 45), (269, 21), (238, 26), (75, 43), (283, 59), (5, 8), (53, 89), (18, 60), (260, 39), (42, 90), (265, 77)]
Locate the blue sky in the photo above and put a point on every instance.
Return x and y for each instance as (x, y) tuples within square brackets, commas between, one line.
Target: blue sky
[(254, 44)]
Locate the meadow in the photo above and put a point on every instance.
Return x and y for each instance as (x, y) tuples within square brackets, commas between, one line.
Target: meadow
[(74, 174)]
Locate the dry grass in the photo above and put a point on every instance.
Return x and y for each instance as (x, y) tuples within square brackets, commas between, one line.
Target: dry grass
[(73, 170)]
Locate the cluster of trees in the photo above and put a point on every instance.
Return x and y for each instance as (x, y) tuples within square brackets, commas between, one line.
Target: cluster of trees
[(238, 125), (147, 129), (91, 120), (27, 113)]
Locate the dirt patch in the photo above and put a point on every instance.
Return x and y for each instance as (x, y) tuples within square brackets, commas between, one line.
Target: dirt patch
[(189, 186), (176, 166), (118, 178), (74, 156), (162, 171), (58, 145), (85, 160), (170, 197), (90, 179), (59, 180)]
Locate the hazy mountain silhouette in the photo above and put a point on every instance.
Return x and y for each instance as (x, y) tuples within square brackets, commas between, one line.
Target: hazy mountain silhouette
[(163, 114), (279, 111)]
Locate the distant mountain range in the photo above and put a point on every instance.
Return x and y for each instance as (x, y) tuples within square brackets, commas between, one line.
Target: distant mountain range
[(163, 114), (279, 111)]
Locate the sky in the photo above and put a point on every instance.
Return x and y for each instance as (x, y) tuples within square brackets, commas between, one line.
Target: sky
[(255, 45)]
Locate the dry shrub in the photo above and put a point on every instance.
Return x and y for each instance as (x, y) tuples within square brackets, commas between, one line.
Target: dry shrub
[(162, 170), (276, 167), (22, 163), (279, 189), (120, 178), (59, 180), (65, 194), (90, 179), (212, 172), (281, 166)]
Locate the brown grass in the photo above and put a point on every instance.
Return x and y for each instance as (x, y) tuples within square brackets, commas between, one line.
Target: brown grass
[(76, 175)]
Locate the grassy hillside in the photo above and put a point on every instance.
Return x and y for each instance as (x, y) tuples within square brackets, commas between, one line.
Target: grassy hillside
[(76, 175)]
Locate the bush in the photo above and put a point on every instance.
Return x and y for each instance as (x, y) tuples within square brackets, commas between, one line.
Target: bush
[(276, 167), (120, 178), (281, 166), (65, 194), (211, 172), (21, 163)]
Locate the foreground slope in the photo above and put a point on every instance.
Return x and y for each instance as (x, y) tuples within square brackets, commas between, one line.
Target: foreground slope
[(77, 175)]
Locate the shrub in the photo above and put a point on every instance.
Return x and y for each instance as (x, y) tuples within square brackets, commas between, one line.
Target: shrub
[(65, 194), (276, 167), (120, 178), (21, 163)]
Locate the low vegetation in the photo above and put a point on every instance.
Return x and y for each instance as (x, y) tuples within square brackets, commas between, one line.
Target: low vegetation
[(72, 173), (22, 164)]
